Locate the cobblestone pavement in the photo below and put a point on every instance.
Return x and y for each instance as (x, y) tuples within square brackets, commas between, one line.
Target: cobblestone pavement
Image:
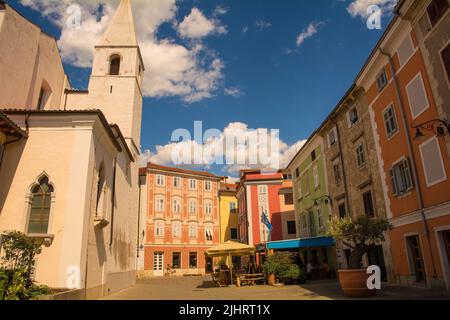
[(202, 288)]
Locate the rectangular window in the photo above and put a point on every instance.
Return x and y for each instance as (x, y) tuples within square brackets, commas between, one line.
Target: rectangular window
[(159, 229), (160, 180), (352, 117), (405, 50), (342, 211), (176, 260), (360, 156), (337, 172), (208, 185), (416, 259), (208, 208), (291, 229), (193, 260), (401, 178), (297, 172), (432, 162), (159, 204), (436, 10), (209, 234), (232, 207), (332, 137), (234, 233), (313, 155), (417, 97), (307, 188), (288, 199), (176, 206), (192, 184), (176, 230), (320, 218), (382, 80), (390, 122), (316, 177), (177, 182), (262, 189), (445, 55), (193, 231), (368, 204)]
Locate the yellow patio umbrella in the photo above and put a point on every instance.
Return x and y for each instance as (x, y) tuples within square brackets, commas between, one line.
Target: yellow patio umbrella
[(230, 249)]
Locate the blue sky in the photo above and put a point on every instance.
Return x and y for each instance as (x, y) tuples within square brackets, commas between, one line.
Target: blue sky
[(254, 71)]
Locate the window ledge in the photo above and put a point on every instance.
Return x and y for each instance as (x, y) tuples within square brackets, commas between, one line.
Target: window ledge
[(100, 222), (47, 239)]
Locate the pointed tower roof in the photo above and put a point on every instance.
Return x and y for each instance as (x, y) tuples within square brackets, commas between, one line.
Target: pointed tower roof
[(121, 31)]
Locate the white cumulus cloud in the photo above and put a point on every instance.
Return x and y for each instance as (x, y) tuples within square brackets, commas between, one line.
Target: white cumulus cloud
[(189, 71), (359, 7), (196, 25), (241, 149)]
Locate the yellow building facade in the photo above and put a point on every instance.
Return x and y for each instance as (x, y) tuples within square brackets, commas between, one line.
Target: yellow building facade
[(228, 213)]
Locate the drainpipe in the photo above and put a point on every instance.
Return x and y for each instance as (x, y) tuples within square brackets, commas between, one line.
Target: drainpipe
[(139, 219), (347, 200), (413, 158)]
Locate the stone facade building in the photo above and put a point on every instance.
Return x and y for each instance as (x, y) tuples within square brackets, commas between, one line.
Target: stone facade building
[(354, 181)]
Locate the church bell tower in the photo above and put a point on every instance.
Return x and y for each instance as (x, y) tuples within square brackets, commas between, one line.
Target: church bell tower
[(117, 75)]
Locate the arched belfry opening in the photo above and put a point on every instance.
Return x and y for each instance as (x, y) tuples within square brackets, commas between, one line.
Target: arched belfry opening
[(114, 65)]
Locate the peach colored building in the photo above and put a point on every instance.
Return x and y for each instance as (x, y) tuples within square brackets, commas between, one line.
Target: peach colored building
[(414, 164), (182, 208)]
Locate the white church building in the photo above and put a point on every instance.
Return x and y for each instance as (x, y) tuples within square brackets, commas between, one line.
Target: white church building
[(68, 159)]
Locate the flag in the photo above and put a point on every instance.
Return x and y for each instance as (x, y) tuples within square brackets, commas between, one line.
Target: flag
[(265, 220)]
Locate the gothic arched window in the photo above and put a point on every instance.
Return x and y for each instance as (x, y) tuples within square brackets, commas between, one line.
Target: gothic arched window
[(41, 200), (114, 65)]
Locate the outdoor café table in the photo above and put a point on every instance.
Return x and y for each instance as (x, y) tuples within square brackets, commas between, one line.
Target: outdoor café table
[(249, 278)]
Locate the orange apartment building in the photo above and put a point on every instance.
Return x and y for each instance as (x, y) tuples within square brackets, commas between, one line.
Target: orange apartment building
[(414, 162), (182, 220), (260, 193)]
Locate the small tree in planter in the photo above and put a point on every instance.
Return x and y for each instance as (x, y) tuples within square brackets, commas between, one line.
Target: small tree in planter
[(360, 235), (280, 265), (292, 274), (16, 263)]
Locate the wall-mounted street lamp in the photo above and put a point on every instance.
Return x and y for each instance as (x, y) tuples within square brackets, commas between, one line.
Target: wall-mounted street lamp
[(327, 199), (438, 126)]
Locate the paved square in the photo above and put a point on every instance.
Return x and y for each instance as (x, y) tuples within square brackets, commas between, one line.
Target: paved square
[(202, 288)]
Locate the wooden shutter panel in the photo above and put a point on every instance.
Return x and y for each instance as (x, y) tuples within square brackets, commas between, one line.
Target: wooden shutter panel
[(394, 182), (408, 175)]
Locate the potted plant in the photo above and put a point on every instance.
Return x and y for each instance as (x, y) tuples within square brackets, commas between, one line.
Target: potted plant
[(360, 235), (270, 267), (292, 275), (276, 265)]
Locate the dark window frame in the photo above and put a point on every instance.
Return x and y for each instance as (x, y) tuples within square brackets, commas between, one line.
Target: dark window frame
[(195, 256), (369, 208), (291, 227), (436, 10), (178, 254)]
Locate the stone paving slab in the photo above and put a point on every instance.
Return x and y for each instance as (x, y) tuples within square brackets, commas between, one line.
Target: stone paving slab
[(202, 288)]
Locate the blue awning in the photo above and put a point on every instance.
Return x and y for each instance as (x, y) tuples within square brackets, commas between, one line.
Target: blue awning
[(302, 243)]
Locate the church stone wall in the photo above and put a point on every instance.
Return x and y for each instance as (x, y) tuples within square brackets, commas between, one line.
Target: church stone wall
[(33, 62)]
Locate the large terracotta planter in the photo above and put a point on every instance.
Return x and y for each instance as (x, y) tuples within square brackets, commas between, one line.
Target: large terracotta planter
[(271, 279), (354, 283)]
